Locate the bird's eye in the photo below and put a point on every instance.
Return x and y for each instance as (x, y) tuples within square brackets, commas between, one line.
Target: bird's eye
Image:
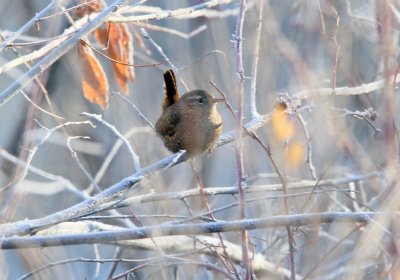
[(200, 100)]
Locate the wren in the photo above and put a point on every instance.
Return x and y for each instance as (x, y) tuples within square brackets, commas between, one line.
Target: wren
[(190, 122)]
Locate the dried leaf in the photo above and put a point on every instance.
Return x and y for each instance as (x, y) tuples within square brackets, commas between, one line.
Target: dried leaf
[(295, 154), (282, 125), (121, 49), (101, 34), (94, 81), (88, 8)]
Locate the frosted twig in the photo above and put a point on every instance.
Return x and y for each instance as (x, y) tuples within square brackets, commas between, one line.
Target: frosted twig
[(98, 118), (39, 108), (171, 31), (346, 91), (161, 14), (252, 101), (114, 150), (160, 51), (75, 156), (142, 116), (309, 160)]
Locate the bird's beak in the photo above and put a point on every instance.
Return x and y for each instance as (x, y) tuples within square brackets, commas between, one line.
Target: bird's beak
[(215, 100)]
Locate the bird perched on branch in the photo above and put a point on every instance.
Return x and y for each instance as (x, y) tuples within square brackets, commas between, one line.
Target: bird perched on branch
[(190, 122)]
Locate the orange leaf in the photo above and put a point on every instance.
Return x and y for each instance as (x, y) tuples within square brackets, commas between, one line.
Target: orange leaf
[(121, 50), (295, 153), (283, 126), (94, 81), (101, 34), (88, 8)]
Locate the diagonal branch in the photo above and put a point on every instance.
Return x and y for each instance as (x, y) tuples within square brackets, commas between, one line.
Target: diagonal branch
[(29, 24), (58, 52)]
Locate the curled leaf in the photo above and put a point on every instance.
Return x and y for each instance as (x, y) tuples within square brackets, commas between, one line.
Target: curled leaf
[(121, 49), (94, 80), (118, 40)]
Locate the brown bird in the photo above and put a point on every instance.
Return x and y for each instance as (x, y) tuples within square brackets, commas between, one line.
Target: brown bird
[(190, 122)]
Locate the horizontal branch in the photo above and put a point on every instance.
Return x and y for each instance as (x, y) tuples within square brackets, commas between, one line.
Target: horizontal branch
[(163, 14), (187, 229), (151, 197), (347, 91)]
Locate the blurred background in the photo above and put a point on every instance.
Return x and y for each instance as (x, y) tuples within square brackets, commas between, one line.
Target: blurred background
[(301, 46)]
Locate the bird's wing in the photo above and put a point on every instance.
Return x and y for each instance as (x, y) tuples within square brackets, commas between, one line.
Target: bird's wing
[(167, 123)]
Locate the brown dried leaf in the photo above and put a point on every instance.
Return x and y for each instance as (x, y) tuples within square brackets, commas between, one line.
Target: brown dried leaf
[(101, 34), (121, 49), (94, 81), (88, 8)]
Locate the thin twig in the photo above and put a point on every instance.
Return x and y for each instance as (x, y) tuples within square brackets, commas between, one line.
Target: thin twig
[(120, 62), (75, 156), (98, 118), (142, 116), (113, 152), (254, 72), (66, 10), (161, 52), (39, 108), (309, 159), (337, 51)]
